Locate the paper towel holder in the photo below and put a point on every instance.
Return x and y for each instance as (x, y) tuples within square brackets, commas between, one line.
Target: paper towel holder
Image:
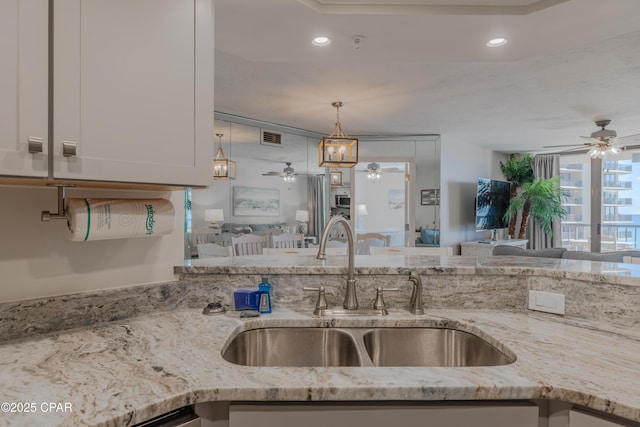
[(47, 216)]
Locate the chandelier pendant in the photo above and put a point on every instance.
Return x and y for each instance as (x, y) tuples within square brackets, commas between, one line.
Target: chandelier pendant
[(338, 150), (223, 168)]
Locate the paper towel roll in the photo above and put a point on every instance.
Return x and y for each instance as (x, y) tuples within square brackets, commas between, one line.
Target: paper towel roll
[(102, 219)]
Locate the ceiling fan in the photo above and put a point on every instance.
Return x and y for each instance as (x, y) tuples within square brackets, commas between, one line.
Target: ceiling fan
[(288, 174), (602, 143), (374, 170)]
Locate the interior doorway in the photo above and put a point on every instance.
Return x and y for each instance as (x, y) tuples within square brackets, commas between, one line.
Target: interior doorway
[(381, 199)]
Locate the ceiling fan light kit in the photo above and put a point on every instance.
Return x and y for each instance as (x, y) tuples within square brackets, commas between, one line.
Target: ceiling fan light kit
[(373, 172), (603, 151), (288, 174), (337, 150)]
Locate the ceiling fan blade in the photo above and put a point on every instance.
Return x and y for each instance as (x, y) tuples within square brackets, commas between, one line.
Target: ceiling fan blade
[(592, 141), (272, 173), (634, 137), (565, 145)]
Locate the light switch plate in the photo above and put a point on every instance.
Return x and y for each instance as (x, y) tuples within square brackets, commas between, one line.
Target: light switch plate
[(546, 301)]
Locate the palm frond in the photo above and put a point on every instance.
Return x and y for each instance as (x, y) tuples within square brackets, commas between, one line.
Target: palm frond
[(545, 198), (518, 169)]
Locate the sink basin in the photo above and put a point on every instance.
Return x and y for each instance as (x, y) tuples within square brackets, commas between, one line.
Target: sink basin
[(293, 347), (430, 347), (361, 347)]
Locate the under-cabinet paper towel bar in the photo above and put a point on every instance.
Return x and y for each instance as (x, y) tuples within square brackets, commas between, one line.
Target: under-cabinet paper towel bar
[(47, 216)]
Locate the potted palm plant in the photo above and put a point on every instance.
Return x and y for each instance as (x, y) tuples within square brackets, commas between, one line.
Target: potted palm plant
[(540, 199), (518, 170)]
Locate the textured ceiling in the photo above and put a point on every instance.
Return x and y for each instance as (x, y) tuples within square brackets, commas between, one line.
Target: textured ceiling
[(565, 65)]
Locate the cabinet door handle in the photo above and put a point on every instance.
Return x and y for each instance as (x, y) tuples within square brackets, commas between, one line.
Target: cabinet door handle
[(36, 144), (69, 148)]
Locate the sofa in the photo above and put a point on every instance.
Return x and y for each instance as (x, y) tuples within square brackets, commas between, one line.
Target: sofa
[(616, 256), (429, 238), (230, 227)]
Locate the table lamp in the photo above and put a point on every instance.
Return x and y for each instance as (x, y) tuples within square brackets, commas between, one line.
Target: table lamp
[(214, 215)]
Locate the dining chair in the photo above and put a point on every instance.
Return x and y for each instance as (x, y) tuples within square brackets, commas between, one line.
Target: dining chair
[(205, 235), (212, 250), (366, 240), (287, 240), (427, 251), (336, 244), (303, 251), (248, 244)]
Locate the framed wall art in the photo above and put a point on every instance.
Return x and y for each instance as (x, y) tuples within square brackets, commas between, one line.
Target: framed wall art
[(251, 201), (430, 196)]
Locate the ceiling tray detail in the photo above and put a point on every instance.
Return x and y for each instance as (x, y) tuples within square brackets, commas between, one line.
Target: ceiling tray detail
[(429, 7)]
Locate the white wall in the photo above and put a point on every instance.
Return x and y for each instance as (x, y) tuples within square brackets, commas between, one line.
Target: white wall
[(38, 260), (375, 196), (219, 195), (461, 166)]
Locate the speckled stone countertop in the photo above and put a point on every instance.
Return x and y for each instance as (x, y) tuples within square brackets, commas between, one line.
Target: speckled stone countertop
[(126, 372), (610, 272), (126, 369)]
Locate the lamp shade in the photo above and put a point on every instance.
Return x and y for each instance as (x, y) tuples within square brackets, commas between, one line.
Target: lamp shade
[(302, 216), (214, 215), (362, 209)]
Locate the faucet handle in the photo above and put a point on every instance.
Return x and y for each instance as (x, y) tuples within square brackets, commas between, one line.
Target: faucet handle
[(321, 303), (379, 302)]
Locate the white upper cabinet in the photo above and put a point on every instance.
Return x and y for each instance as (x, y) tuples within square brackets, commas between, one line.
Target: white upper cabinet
[(133, 90), (23, 87)]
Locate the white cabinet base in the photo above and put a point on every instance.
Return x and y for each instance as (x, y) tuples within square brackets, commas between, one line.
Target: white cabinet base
[(377, 415)]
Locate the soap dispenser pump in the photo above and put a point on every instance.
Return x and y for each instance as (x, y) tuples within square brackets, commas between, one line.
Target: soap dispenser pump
[(265, 296)]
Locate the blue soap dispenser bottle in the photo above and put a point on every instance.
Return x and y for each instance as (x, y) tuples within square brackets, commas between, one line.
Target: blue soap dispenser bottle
[(265, 296)]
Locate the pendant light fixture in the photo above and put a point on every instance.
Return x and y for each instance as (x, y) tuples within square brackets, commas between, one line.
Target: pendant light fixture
[(337, 179), (223, 168), (338, 150)]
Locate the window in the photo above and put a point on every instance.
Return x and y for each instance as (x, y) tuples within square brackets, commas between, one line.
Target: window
[(620, 202)]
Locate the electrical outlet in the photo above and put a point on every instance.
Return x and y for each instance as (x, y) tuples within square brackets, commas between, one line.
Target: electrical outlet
[(546, 301)]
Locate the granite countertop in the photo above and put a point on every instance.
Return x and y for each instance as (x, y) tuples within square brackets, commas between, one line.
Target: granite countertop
[(124, 372), (609, 272)]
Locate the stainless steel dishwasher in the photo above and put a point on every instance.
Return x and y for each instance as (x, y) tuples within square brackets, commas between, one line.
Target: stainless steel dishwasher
[(183, 417)]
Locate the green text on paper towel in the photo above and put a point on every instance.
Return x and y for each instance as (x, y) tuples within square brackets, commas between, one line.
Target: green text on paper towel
[(150, 220)]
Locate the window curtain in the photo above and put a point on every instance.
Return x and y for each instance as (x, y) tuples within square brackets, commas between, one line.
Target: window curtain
[(316, 204), (545, 166)]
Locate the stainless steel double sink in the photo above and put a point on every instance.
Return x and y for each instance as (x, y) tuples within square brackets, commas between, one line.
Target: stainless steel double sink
[(378, 346)]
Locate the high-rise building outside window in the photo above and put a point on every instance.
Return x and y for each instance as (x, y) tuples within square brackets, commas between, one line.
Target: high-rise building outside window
[(620, 196)]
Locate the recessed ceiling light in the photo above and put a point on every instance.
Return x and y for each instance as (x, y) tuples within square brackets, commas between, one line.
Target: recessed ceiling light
[(321, 41), (497, 42)]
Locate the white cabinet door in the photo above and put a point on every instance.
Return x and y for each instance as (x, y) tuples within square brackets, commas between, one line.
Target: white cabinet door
[(133, 90), (380, 414), (23, 86), (582, 419)]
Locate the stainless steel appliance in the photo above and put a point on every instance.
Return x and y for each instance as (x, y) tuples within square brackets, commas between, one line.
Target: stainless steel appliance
[(343, 201), (183, 417)]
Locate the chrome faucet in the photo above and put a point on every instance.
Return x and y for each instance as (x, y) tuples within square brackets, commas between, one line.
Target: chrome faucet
[(350, 299), (416, 295)]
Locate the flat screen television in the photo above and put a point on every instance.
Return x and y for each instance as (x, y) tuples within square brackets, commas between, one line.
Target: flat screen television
[(492, 201)]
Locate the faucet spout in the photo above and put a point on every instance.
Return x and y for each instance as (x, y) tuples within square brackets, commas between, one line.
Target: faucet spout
[(350, 298), (416, 295)]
